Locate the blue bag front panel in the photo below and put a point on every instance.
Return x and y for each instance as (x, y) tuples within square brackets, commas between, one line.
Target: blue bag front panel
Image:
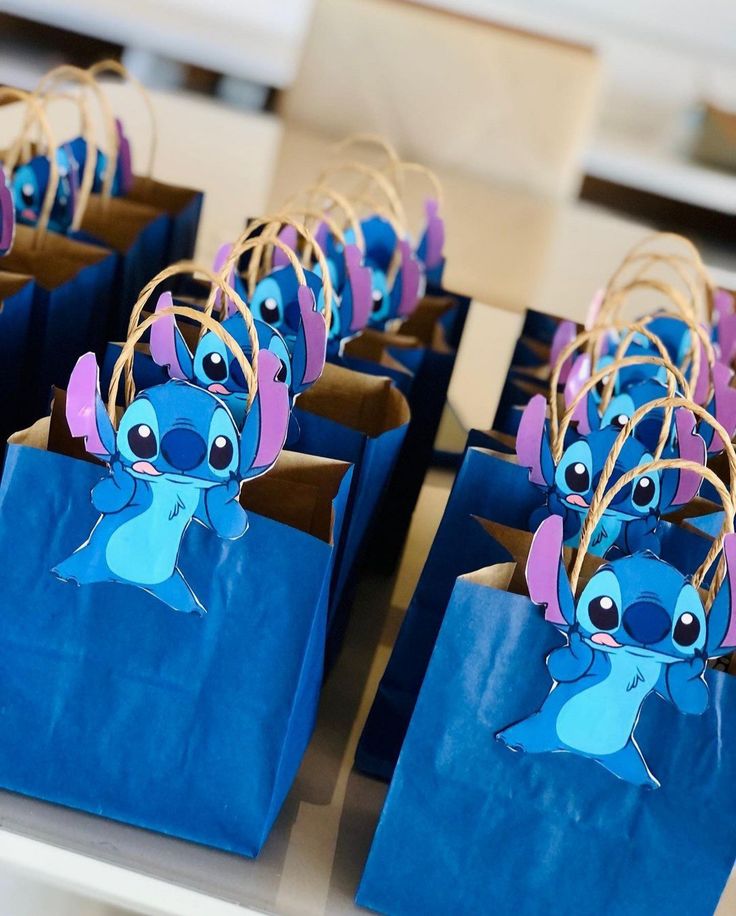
[(64, 324), (15, 322), (184, 225), (403, 380), (499, 491), (136, 266), (373, 459), (470, 827), (432, 372), (115, 704)]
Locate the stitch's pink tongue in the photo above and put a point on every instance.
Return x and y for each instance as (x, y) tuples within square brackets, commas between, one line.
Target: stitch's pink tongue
[(145, 467), (218, 389), (605, 639), (576, 500)]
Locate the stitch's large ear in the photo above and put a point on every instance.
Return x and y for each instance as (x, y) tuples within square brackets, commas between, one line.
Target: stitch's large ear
[(432, 245), (594, 309), (722, 617), (7, 216), (168, 347), (532, 442), (722, 407), (85, 412), (725, 309), (267, 422), (565, 333), (223, 253), (289, 237), (125, 160), (680, 486), (546, 576), (310, 347), (703, 380), (586, 413), (410, 277), (66, 155), (359, 278)]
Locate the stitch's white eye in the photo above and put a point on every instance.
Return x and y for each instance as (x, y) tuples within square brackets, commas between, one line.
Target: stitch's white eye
[(142, 441), (621, 420), (643, 492), (27, 191), (603, 613), (214, 367)]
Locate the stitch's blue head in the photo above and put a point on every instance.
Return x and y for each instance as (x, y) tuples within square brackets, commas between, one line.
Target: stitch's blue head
[(181, 433), (217, 370), (579, 471), (642, 606), (31, 181), (275, 299)]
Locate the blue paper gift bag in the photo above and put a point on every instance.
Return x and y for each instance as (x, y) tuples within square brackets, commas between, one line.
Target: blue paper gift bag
[(139, 234), (362, 419), (16, 295), (74, 285), (490, 486), (117, 705), (469, 827), (183, 207)]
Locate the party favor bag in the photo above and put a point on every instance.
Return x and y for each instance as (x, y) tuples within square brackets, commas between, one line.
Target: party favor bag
[(469, 826), (116, 701), (16, 303), (361, 419), (636, 773), (491, 485)]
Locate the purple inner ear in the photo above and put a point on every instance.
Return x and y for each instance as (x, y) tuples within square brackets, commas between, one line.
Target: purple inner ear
[(360, 280), (411, 275), (729, 550), (289, 237), (723, 304), (163, 339), (727, 338), (435, 234), (577, 377), (529, 438), (7, 216), (223, 253), (702, 382), (315, 335), (725, 403), (566, 332), (543, 568), (273, 398), (594, 308), (81, 404), (691, 447), (125, 159)]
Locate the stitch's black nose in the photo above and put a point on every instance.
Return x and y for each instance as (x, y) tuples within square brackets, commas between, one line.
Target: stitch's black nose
[(646, 622), (183, 449)]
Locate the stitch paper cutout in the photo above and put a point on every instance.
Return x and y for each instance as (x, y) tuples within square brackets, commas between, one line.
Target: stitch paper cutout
[(630, 523), (122, 182), (638, 628), (214, 368), (177, 457), (7, 216), (431, 248), (30, 183)]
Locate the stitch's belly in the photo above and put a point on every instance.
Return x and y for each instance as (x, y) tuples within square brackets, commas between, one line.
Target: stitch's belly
[(600, 719), (144, 548)]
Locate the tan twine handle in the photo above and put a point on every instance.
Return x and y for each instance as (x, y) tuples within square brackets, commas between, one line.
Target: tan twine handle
[(674, 378), (69, 73), (42, 225), (114, 66), (268, 240), (374, 177), (692, 358), (124, 362), (366, 138), (639, 252), (591, 336), (602, 498), (217, 282), (313, 196)]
